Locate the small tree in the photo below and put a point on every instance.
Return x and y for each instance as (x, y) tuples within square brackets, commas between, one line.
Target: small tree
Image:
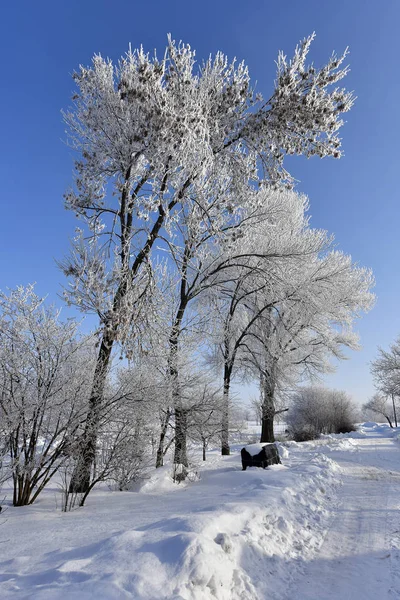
[(205, 418), (127, 430)]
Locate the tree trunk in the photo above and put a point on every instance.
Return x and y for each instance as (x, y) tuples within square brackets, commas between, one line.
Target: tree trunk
[(204, 449), (180, 454), (181, 462), (163, 432), (225, 449), (22, 490), (389, 421), (267, 425), (268, 411), (81, 476), (394, 411), (24, 480)]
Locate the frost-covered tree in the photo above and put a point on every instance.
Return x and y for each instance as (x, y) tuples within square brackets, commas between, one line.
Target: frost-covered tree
[(265, 268), (257, 402), (45, 372), (144, 388), (209, 256), (299, 335), (127, 431), (159, 137), (383, 406), (205, 422), (386, 374)]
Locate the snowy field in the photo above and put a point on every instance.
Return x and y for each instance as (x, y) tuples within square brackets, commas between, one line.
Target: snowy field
[(323, 525)]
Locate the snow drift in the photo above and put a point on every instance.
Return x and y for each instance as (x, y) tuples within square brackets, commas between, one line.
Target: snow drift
[(230, 535)]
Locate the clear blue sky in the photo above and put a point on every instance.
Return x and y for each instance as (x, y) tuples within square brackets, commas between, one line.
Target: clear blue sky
[(357, 198)]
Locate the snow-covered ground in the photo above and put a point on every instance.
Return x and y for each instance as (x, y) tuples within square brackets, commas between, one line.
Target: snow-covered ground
[(323, 525)]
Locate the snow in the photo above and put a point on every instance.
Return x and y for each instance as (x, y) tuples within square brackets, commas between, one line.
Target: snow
[(323, 525), (254, 449), (359, 558)]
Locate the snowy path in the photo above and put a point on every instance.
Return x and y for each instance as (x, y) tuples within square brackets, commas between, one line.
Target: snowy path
[(359, 558)]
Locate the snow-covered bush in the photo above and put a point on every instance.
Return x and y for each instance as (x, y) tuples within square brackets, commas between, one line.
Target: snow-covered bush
[(316, 410), (127, 433), (124, 455), (44, 373)]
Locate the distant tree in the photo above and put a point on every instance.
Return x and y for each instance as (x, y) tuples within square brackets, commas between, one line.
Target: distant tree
[(386, 374), (256, 405), (205, 420), (382, 406)]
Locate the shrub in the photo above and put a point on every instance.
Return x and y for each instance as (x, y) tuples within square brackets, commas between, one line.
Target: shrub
[(316, 410), (304, 433)]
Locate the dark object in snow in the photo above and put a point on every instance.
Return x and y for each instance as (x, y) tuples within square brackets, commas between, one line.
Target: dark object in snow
[(267, 456)]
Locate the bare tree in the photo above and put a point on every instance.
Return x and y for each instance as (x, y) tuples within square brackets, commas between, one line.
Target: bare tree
[(386, 373), (205, 418), (382, 406)]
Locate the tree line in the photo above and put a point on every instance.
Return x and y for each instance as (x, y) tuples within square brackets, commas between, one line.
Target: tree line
[(195, 254)]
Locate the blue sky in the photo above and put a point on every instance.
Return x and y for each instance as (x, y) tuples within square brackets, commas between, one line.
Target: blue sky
[(355, 198)]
